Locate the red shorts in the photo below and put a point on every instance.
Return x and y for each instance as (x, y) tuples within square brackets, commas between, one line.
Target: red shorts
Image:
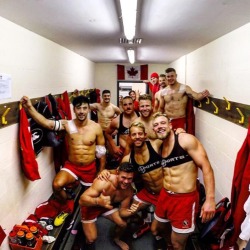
[(85, 173), (145, 196), (180, 209), (90, 214), (178, 123)]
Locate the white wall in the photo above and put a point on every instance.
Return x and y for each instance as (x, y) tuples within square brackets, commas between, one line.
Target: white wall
[(222, 67), (106, 76), (37, 67)]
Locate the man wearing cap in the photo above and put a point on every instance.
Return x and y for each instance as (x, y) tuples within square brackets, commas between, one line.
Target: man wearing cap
[(153, 84)]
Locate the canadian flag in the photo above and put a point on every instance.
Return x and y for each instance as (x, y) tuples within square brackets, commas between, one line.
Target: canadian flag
[(132, 72)]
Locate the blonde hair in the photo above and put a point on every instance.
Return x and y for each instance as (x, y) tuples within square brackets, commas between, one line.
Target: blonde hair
[(158, 114), (145, 97), (138, 125)]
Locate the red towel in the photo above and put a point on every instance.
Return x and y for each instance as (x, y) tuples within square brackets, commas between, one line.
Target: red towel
[(190, 118), (240, 187), (67, 105), (28, 157)]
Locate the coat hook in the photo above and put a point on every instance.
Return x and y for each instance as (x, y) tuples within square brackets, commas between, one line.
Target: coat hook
[(228, 104), (208, 100), (200, 105), (242, 116), (4, 122), (216, 108)]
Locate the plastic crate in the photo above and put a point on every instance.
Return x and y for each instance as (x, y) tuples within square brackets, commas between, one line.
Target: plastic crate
[(38, 245)]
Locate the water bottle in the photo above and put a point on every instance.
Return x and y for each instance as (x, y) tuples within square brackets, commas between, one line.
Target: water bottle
[(30, 240), (13, 237), (21, 238)]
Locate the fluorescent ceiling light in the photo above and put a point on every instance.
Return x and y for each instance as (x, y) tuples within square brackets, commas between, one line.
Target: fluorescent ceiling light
[(131, 56), (128, 8)]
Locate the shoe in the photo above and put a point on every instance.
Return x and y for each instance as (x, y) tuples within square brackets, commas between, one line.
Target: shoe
[(143, 229), (47, 220), (70, 193), (60, 219), (48, 239)]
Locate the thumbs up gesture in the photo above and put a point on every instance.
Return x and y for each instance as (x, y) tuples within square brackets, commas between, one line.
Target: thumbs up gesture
[(105, 200)]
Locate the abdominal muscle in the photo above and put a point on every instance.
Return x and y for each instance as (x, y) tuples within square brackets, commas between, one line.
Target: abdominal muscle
[(181, 178), (80, 153)]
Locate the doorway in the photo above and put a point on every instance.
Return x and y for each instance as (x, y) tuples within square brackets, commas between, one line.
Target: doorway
[(123, 88)]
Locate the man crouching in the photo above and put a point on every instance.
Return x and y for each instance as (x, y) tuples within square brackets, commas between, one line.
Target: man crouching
[(101, 198)]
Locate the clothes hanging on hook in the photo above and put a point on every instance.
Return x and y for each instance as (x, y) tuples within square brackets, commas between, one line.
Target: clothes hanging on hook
[(240, 186), (28, 157)]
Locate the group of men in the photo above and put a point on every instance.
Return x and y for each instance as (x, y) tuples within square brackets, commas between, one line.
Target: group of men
[(167, 162)]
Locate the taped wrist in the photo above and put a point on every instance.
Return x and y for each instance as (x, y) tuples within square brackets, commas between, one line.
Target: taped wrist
[(100, 151), (57, 125)]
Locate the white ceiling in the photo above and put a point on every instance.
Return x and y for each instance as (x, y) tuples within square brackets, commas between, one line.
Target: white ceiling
[(92, 28)]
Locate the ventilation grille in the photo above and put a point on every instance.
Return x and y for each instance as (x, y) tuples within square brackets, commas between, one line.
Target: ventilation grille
[(133, 41)]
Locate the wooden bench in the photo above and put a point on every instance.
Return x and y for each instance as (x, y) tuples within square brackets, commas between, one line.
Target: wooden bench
[(61, 233)]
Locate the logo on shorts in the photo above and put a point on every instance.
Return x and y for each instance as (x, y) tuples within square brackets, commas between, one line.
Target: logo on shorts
[(185, 224)]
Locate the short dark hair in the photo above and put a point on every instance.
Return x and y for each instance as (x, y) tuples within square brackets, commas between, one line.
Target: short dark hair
[(168, 70), (105, 91), (126, 167), (79, 100), (162, 75), (127, 97)]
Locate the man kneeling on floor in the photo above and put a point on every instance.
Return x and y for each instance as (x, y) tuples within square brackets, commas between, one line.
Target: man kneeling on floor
[(111, 199)]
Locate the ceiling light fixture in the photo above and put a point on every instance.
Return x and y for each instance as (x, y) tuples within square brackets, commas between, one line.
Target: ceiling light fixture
[(128, 8), (131, 56)]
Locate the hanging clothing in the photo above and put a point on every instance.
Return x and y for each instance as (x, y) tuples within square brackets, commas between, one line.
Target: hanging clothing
[(28, 157), (67, 104), (245, 226), (190, 117), (240, 186)]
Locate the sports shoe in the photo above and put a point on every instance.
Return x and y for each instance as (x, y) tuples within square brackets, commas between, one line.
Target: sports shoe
[(142, 229), (60, 218)]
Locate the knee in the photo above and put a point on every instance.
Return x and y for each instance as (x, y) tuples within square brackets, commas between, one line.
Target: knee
[(57, 184), (90, 239)]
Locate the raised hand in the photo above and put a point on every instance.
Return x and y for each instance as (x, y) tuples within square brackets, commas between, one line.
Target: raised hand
[(105, 200), (134, 207)]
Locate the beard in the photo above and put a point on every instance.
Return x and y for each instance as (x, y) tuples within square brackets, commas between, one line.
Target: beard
[(163, 136), (81, 117), (141, 145)]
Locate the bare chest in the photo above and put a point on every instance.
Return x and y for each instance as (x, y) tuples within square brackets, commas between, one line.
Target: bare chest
[(87, 139), (106, 112)]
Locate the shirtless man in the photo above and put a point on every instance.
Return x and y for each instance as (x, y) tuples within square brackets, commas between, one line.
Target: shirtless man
[(85, 142), (182, 155), (121, 123), (174, 99), (100, 199), (106, 111), (162, 84), (147, 163), (146, 111)]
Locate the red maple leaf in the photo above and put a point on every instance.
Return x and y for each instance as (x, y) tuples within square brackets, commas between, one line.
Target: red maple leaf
[(132, 72)]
